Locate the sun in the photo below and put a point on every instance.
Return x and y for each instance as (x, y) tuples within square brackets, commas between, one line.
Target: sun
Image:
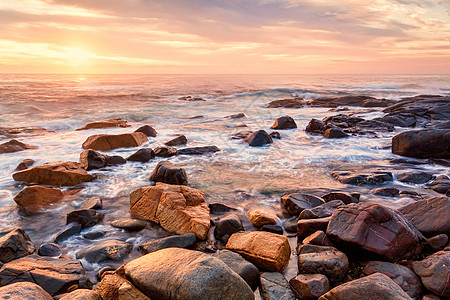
[(77, 56)]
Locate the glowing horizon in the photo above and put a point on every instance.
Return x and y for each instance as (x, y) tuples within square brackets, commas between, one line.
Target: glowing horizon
[(225, 37)]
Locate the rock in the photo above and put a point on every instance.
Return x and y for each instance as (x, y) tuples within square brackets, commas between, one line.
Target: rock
[(401, 275), (15, 244), (24, 291), (165, 151), (50, 249), (198, 150), (288, 103), (318, 238), (116, 160), (434, 271), (315, 126), (362, 178), (55, 173), (258, 138), (217, 208), (290, 225), (92, 203), (142, 155), (55, 276), (70, 230), (105, 142), (325, 260), (422, 143), (306, 227), (127, 291), (228, 225), (285, 122), (429, 216), (187, 240), (406, 119), (275, 135), (91, 159), (272, 228), (167, 172), (264, 249), (106, 250), (176, 208), (82, 294), (236, 116), (243, 268), (430, 297), (438, 242), (241, 135), (36, 197), (129, 224), (85, 217), (95, 235), (24, 164), (147, 130), (375, 286), (20, 131), (372, 228), (103, 270), (441, 184), (334, 133), (321, 211), (296, 203), (351, 100), (110, 285), (109, 123), (386, 192), (274, 286), (190, 98), (14, 146), (260, 216), (176, 273), (416, 177), (176, 141), (344, 197), (310, 286)]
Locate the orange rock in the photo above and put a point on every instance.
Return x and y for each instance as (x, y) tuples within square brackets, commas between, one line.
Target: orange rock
[(267, 250), (262, 216), (104, 142), (58, 173), (116, 122), (33, 198), (14, 146)]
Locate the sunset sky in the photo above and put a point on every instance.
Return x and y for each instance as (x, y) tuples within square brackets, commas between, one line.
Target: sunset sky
[(229, 36)]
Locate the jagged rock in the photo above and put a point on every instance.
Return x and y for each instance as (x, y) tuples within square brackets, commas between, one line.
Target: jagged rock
[(105, 142), (260, 216), (49, 249), (296, 203), (167, 172), (110, 285), (310, 286), (198, 150), (165, 151), (14, 146), (15, 244), (374, 178), (334, 133), (315, 126), (142, 155), (147, 130), (109, 123), (285, 122), (321, 211), (318, 238), (36, 197), (82, 294), (417, 177), (258, 138), (106, 250), (129, 224), (434, 271), (306, 227), (426, 143), (92, 203), (91, 159), (217, 208), (70, 230), (274, 286), (24, 291), (85, 217), (25, 164), (176, 141), (228, 225), (187, 240)]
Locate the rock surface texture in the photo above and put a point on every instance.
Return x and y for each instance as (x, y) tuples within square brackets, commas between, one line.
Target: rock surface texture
[(106, 142)]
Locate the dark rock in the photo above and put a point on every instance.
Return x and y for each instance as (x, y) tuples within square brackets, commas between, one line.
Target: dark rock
[(290, 225), (321, 211), (344, 197), (315, 126), (258, 138), (434, 272), (272, 228), (165, 151), (24, 164), (109, 123), (106, 250), (275, 286), (422, 143), (142, 155), (129, 224), (15, 244), (417, 177), (285, 122), (228, 224), (342, 121), (102, 271), (219, 208), (441, 184), (148, 130), (190, 98), (364, 178), (85, 217), (275, 135), (198, 150), (95, 235), (50, 249), (241, 135), (306, 227), (310, 286), (92, 203), (438, 242), (70, 230), (14, 146), (187, 240), (287, 103), (351, 100), (372, 228), (386, 192), (318, 238), (206, 246), (167, 172), (236, 116), (20, 131), (296, 203), (115, 160), (176, 141), (430, 297), (91, 159), (403, 119), (24, 291), (334, 133)]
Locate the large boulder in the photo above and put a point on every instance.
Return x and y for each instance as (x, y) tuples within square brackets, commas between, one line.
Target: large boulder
[(430, 217), (175, 273), (375, 229), (36, 197), (285, 122), (108, 123), (422, 143), (177, 208), (258, 138), (14, 146), (434, 271), (375, 286), (274, 286), (266, 250), (187, 240), (24, 291), (106, 250), (57, 173), (105, 142), (15, 244), (296, 203), (167, 172)]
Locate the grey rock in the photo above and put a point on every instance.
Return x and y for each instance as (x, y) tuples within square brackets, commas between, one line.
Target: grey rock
[(167, 172), (274, 286), (176, 241), (15, 244), (106, 250)]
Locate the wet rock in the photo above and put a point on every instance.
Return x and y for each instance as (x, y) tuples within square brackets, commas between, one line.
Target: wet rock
[(310, 286), (142, 155), (334, 133), (70, 230), (50, 249), (236, 116), (272, 228), (109, 123), (241, 135), (351, 100), (416, 177), (315, 126), (243, 268), (258, 138), (375, 286), (260, 216), (274, 286), (434, 271), (288, 103), (127, 291), (362, 178), (306, 227), (438, 242), (430, 297), (25, 164), (106, 250), (228, 225), (275, 135), (318, 238), (15, 244), (217, 208), (324, 260), (344, 197), (441, 184), (55, 173), (92, 203), (290, 225), (285, 122), (296, 203), (206, 246), (372, 228), (266, 250), (129, 224), (147, 130), (36, 197), (176, 208), (321, 211), (176, 141), (24, 291), (82, 294), (103, 270), (111, 283), (429, 216), (91, 159), (167, 172), (426, 143), (105, 142), (187, 240), (165, 151), (95, 235), (190, 98), (116, 160), (198, 150), (85, 217), (386, 192), (55, 276), (176, 273), (401, 275), (403, 119), (21, 131), (14, 146)]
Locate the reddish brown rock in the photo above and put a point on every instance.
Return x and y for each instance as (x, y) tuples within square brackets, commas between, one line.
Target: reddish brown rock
[(109, 123), (15, 244), (434, 271), (148, 130), (165, 151), (260, 216), (438, 242), (82, 294), (114, 287), (24, 291), (422, 143), (344, 197), (14, 146), (24, 164), (36, 197), (285, 122), (307, 227), (296, 203), (318, 238), (105, 142), (315, 126), (310, 286), (57, 173), (176, 141)]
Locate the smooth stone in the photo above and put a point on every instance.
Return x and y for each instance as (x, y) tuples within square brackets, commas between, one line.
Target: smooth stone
[(274, 286), (285, 122), (92, 203), (258, 138), (187, 240), (129, 224), (374, 178), (14, 146), (15, 244), (70, 230), (334, 133), (296, 203), (91, 159), (318, 238), (306, 227), (24, 291), (273, 228), (147, 130), (425, 143), (25, 164), (321, 211), (85, 217), (116, 160), (94, 235), (198, 150), (142, 155), (50, 249), (441, 184), (176, 141), (262, 216), (114, 250), (310, 286), (165, 151), (109, 123), (438, 242), (416, 177), (106, 142), (275, 135), (82, 294), (344, 197), (241, 135), (386, 192), (35, 198), (167, 172), (434, 271), (217, 208), (227, 225)]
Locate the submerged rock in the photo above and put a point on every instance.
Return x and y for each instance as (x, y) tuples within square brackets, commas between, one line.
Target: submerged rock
[(258, 138), (15, 244), (165, 151), (176, 141), (14, 146), (85, 217), (315, 126), (25, 164), (198, 150), (105, 142), (426, 143), (441, 184), (167, 172), (285, 122), (374, 178), (109, 123), (70, 230), (147, 130)]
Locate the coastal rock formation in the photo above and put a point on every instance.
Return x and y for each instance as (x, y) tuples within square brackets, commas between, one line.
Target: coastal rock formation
[(85, 217), (297, 202), (352, 100), (176, 273), (25, 164), (109, 123), (106, 250), (14, 146), (176, 141), (36, 197), (318, 238), (187, 240), (142, 155), (342, 196), (147, 130), (306, 227), (105, 142), (165, 151), (24, 291), (23, 131), (427, 143), (321, 211), (285, 122), (167, 172), (374, 178), (275, 286), (441, 184), (434, 271), (258, 138), (57, 173), (114, 287), (15, 244), (198, 150), (228, 225), (310, 286)]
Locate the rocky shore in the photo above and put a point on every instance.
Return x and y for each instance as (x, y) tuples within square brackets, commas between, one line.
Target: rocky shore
[(337, 245)]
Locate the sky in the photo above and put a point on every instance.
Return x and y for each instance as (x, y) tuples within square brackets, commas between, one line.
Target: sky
[(225, 37)]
